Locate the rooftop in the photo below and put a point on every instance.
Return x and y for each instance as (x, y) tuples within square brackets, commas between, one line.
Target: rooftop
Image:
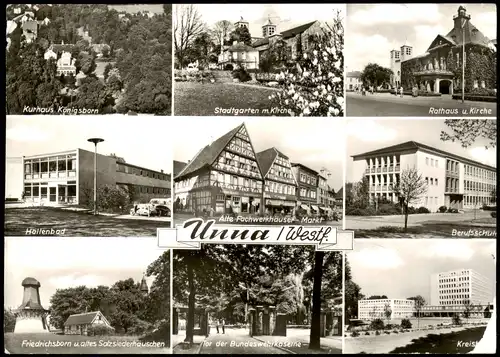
[(266, 159), (414, 146), (81, 319), (285, 34), (304, 167)]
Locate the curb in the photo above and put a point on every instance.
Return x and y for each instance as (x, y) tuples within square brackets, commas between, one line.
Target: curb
[(201, 346), (279, 348)]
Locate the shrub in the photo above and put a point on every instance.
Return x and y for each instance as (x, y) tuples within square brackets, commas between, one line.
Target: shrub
[(228, 67), (423, 210), (100, 330), (406, 323), (493, 214), (355, 333), (367, 333), (412, 210), (388, 210), (395, 331), (456, 320), (109, 198), (241, 74), (452, 210), (387, 332), (377, 333), (377, 324), (442, 209)]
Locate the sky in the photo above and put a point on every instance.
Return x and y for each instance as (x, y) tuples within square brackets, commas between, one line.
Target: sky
[(285, 16), (372, 31), (140, 140), (316, 143), (366, 135), (401, 268), (60, 263)]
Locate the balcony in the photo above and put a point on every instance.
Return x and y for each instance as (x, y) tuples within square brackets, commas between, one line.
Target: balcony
[(451, 190), (433, 72), (385, 169), (379, 169)]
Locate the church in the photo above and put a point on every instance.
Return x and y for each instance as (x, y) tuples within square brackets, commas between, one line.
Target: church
[(439, 70), (296, 40)]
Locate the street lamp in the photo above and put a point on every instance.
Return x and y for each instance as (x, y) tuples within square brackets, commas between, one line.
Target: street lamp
[(95, 141), (463, 58)]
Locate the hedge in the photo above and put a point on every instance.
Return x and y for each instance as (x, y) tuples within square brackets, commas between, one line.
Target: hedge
[(479, 98)]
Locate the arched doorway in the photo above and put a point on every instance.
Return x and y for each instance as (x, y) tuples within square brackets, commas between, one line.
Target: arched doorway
[(445, 86)]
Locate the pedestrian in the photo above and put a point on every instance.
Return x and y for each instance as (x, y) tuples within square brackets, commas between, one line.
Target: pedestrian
[(401, 91), (217, 325), (222, 322), (211, 212)]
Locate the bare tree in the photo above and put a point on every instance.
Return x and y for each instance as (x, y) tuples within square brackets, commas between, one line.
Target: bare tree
[(419, 303), (187, 25), (387, 311), (467, 131), (410, 188), (468, 309), (221, 31)]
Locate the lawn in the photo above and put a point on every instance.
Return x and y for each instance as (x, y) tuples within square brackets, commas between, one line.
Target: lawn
[(197, 99), (449, 343), (427, 230), (19, 220), (77, 344)]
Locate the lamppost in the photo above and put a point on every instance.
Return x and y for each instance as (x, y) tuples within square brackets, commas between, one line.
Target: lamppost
[(95, 141), (463, 23)]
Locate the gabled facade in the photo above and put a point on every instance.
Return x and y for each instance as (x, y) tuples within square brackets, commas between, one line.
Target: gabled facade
[(79, 324), (307, 180), (279, 181), (224, 177)]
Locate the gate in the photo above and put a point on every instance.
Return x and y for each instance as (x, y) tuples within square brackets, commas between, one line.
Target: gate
[(266, 324), (280, 329)]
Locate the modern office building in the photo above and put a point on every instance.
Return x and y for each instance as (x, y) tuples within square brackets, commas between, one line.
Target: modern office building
[(280, 190), (452, 181), (67, 177), (307, 179), (377, 308), (224, 176), (459, 287)]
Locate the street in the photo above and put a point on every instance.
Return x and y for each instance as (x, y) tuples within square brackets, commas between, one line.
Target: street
[(386, 104)]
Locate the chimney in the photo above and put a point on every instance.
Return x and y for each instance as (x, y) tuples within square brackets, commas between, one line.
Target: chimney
[(161, 170)]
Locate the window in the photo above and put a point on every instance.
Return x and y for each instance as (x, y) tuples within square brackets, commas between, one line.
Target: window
[(436, 180), (432, 181), (427, 161)]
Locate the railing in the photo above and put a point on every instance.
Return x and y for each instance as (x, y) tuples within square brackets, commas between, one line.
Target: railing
[(385, 169), (379, 169), (433, 71), (373, 169)]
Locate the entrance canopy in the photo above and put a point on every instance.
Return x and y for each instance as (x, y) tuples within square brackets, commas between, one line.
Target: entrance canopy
[(315, 208), (305, 207), (288, 204)]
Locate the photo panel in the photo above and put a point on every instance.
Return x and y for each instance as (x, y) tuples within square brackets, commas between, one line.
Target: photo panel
[(421, 60), (420, 296), (260, 171), (86, 176), (75, 296), (259, 59), (421, 178), (89, 59), (257, 299)]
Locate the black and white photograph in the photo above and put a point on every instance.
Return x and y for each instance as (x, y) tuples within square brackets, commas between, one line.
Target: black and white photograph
[(421, 60), (257, 299), (259, 59), (421, 178), (259, 170), (93, 59), (420, 296), (84, 176), (69, 296)]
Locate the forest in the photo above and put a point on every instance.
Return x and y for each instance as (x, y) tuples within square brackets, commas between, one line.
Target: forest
[(137, 57)]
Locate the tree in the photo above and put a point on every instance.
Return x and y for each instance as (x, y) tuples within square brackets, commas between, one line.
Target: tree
[(220, 32), (377, 297), (387, 311), (9, 320), (358, 193), (241, 34), (315, 336), (419, 303), (468, 309), (375, 75), (187, 25), (276, 57), (467, 131), (410, 188)]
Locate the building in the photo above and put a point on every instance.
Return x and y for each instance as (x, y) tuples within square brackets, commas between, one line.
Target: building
[(379, 309), (144, 286), (67, 177), (30, 315), (224, 176), (452, 181), (30, 30), (323, 194), (307, 180), (339, 198), (66, 65), (459, 287), (353, 80), (280, 183), (179, 166), (439, 70), (14, 178), (79, 324), (240, 55)]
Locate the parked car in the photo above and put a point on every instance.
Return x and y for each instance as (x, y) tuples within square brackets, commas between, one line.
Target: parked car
[(142, 209), (162, 206)]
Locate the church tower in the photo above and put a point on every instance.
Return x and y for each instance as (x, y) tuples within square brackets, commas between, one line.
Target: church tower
[(268, 29), (144, 286), (241, 23)]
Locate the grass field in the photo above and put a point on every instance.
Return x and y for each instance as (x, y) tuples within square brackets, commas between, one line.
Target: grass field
[(450, 343), (193, 98), (18, 220), (76, 344)]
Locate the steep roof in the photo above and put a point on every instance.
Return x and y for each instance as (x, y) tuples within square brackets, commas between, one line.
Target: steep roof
[(340, 193), (296, 30), (179, 166), (58, 48), (305, 167), (266, 159), (31, 305), (414, 146), (208, 154), (240, 47), (81, 319), (144, 285), (472, 35), (260, 42)]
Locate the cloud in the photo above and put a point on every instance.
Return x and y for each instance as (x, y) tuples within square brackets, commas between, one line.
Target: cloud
[(486, 156), (25, 133), (426, 34), (396, 14), (370, 131), (378, 258), (454, 249), (487, 22), (377, 46), (74, 280)]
